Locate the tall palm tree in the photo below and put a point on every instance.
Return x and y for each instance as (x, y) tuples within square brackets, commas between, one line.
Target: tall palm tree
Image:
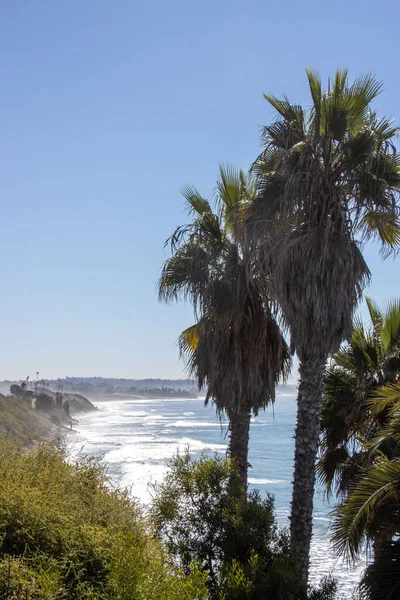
[(328, 178), (235, 348)]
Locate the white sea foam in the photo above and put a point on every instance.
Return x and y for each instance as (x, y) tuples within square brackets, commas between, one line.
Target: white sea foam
[(133, 400), (197, 424), (152, 450), (261, 481)]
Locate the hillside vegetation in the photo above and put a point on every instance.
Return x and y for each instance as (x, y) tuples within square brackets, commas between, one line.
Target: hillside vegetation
[(66, 534), (19, 422)]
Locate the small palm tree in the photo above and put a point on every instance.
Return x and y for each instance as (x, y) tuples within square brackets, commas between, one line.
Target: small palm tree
[(351, 415), (328, 179), (371, 508), (235, 348), (360, 448)]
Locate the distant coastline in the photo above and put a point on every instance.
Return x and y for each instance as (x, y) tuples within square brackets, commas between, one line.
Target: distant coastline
[(160, 392), (101, 387)]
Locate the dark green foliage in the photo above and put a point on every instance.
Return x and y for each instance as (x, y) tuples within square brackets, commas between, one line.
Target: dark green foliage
[(360, 420), (44, 402), (17, 390), (192, 510), (382, 578), (361, 445), (326, 590), (66, 534), (201, 519)]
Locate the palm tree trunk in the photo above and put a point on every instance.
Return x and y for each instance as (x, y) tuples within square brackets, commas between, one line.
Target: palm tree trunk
[(309, 404), (238, 449)]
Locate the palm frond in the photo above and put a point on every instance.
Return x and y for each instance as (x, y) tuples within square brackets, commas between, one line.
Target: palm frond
[(380, 486), (314, 81), (390, 332), (361, 412), (363, 91), (197, 205), (383, 128), (184, 275), (291, 112), (381, 580), (230, 184), (384, 397), (375, 313)]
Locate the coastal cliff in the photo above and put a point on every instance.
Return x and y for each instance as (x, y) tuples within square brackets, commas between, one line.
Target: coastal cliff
[(52, 415)]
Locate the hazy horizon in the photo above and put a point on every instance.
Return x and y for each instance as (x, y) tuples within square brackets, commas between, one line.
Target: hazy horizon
[(32, 378)]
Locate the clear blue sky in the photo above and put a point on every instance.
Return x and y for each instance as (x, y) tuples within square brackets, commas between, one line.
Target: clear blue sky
[(107, 108)]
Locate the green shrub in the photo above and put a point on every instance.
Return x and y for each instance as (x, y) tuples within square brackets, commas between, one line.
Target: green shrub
[(65, 533), (201, 518)]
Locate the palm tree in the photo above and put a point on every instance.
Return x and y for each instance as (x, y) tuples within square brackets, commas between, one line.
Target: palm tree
[(328, 179), (351, 415), (235, 348), (371, 508), (360, 447)]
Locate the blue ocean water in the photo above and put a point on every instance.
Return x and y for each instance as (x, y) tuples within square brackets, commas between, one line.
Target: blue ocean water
[(137, 437)]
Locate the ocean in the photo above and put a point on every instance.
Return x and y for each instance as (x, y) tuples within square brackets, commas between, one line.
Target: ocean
[(137, 437)]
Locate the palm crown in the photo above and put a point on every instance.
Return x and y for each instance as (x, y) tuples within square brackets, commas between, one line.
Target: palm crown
[(329, 179), (236, 346)]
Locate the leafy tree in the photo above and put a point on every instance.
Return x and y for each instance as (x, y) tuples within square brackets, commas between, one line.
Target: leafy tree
[(202, 520), (328, 179), (17, 390), (235, 348)]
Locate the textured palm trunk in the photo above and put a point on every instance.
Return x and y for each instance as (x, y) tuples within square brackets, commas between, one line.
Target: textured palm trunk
[(309, 404), (239, 429)]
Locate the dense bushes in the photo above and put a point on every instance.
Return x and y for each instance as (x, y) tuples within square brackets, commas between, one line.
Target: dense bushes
[(66, 534), (201, 518)]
